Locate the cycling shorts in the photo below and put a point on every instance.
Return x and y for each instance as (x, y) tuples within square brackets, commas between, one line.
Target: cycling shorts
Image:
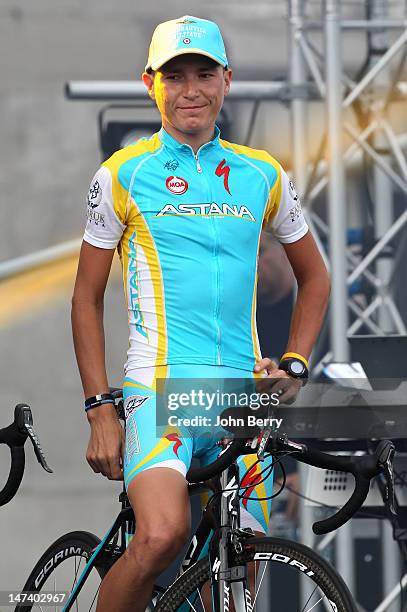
[(148, 447)]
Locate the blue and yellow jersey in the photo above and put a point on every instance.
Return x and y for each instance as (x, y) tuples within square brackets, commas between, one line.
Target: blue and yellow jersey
[(187, 227)]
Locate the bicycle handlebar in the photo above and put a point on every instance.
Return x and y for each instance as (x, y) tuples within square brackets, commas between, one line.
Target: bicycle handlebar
[(363, 468), (15, 436)]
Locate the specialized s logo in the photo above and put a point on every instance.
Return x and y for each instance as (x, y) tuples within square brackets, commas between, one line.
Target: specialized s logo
[(224, 171), (177, 442)]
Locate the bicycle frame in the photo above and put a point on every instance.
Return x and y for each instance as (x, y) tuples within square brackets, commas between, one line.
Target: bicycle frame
[(222, 516)]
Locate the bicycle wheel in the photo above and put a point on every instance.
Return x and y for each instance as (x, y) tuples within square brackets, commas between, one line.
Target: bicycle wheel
[(289, 577), (60, 568)]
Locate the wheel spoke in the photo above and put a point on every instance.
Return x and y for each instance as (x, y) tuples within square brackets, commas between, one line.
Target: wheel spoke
[(320, 599), (192, 606), (304, 609), (261, 580), (94, 599)]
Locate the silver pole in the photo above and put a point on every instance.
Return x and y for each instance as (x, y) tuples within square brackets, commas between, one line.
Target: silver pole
[(297, 73), (134, 90), (383, 191), (337, 236), (24, 263), (336, 184)]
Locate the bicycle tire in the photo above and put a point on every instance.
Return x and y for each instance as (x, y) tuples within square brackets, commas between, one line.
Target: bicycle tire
[(282, 552), (77, 544)]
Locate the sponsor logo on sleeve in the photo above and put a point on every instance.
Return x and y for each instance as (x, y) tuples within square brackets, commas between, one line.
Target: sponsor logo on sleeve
[(176, 185), (94, 196), (93, 200), (292, 191), (295, 212)]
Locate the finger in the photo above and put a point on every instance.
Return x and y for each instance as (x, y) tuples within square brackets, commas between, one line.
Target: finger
[(93, 464), (115, 470), (272, 381), (289, 392), (264, 364)]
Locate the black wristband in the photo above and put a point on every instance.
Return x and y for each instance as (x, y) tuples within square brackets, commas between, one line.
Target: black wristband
[(98, 400)]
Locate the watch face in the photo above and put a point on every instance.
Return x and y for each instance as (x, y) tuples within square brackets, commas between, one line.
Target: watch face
[(297, 367)]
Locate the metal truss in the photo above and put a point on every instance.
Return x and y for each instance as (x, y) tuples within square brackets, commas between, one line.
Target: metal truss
[(345, 98)]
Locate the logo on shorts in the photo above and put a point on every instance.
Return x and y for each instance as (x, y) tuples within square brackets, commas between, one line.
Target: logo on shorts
[(173, 437), (94, 196), (176, 185), (134, 402)]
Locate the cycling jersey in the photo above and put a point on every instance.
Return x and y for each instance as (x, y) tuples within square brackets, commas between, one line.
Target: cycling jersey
[(187, 227)]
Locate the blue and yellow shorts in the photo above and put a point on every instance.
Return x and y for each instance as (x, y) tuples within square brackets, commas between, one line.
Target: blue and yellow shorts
[(148, 447)]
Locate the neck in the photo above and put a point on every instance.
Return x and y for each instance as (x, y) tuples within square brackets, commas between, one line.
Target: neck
[(195, 141)]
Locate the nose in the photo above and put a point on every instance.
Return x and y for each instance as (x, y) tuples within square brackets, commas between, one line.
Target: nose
[(191, 90)]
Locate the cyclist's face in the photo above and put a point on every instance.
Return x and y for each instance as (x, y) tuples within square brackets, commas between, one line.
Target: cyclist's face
[(189, 91)]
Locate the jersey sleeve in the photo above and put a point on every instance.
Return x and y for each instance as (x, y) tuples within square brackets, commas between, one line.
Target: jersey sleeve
[(284, 214), (106, 213)]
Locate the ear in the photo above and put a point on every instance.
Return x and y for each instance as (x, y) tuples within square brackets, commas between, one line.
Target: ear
[(227, 75), (148, 80)]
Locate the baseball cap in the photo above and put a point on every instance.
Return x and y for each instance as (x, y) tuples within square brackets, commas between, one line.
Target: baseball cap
[(186, 34)]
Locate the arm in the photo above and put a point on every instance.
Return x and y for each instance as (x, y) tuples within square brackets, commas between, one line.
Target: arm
[(313, 294), (106, 439), (309, 310), (286, 220)]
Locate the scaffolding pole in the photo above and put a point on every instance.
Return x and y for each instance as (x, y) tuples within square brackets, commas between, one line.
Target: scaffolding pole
[(337, 238)]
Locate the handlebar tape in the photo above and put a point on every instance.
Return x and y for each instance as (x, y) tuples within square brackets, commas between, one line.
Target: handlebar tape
[(15, 476), (221, 463), (362, 468)]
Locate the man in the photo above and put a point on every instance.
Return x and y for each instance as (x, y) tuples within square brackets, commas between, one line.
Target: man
[(186, 210)]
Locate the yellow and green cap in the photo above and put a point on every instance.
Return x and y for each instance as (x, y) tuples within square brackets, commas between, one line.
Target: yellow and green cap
[(186, 34)]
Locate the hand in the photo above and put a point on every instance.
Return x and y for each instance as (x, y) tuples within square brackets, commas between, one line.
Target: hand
[(277, 381), (106, 443)]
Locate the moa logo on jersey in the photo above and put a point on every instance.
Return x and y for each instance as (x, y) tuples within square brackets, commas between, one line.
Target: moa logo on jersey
[(208, 209), (176, 185)]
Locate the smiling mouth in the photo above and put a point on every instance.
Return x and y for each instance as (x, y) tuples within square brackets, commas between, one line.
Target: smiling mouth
[(191, 108)]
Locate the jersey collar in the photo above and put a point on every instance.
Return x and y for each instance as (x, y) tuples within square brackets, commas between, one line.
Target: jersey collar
[(170, 142)]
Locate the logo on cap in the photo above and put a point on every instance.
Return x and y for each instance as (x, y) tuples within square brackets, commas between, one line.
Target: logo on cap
[(186, 21), (176, 185), (186, 41)]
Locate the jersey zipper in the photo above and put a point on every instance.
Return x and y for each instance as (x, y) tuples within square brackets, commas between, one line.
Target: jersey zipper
[(217, 268), (217, 288), (198, 165)]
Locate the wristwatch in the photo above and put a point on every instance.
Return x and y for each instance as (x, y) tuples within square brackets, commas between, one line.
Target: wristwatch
[(295, 368)]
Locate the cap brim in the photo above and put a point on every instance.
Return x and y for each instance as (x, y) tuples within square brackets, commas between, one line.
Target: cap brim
[(164, 59)]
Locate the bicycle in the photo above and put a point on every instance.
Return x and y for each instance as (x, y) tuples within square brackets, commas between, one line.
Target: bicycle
[(15, 436), (234, 553)]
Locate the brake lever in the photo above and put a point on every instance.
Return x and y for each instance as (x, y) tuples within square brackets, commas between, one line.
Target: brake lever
[(385, 463), (25, 424), (263, 438)]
